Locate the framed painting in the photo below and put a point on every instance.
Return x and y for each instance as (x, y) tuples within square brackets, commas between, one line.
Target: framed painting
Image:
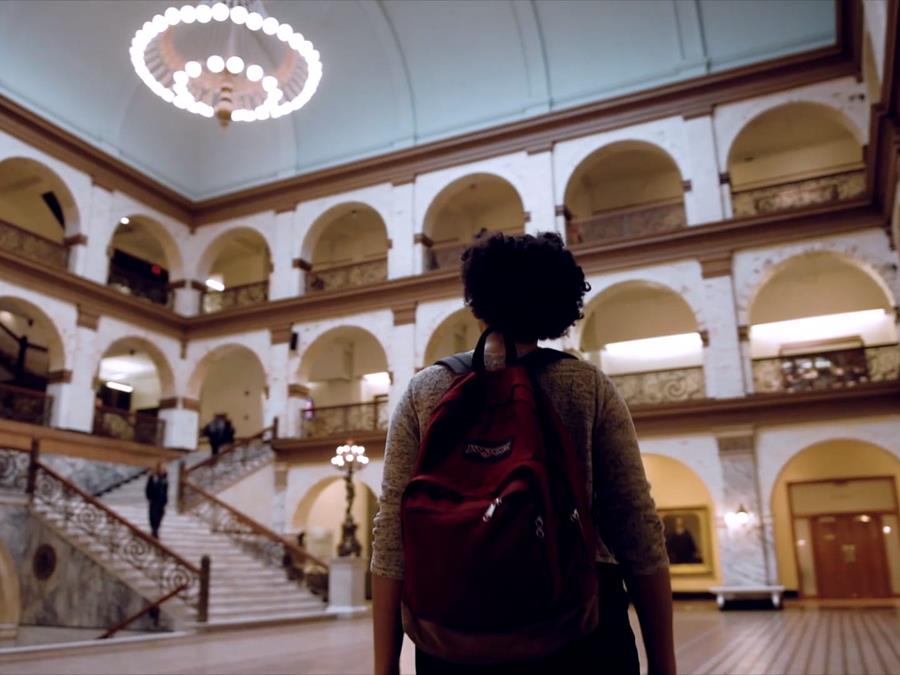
[(688, 540)]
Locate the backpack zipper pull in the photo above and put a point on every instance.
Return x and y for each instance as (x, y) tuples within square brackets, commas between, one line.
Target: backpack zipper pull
[(491, 508)]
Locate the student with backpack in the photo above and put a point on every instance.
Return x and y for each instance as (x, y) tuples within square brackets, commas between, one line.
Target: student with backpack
[(514, 507)]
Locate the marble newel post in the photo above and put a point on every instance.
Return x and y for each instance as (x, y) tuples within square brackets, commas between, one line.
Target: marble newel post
[(746, 548), (278, 498)]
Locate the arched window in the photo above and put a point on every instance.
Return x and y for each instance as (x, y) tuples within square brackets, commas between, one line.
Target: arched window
[(139, 263), (625, 189), (457, 333), (231, 380), (236, 268)]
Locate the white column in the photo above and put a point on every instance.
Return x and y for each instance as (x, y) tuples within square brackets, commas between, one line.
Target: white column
[(723, 368), (703, 202), (276, 404), (403, 253), (74, 401), (284, 282), (181, 427), (539, 193), (186, 299), (92, 261), (401, 350)]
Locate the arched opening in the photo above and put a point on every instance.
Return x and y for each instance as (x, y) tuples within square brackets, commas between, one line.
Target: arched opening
[(346, 382), (231, 381), (132, 377), (37, 211), (236, 268), (795, 155), (141, 261), (834, 515), (646, 338), (347, 247), (457, 333), (320, 513), (820, 322), (463, 209), (10, 596), (31, 353), (688, 512), (625, 189)]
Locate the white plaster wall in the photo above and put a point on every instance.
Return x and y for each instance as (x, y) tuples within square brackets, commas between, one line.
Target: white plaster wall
[(700, 453), (197, 261), (188, 379), (430, 315)]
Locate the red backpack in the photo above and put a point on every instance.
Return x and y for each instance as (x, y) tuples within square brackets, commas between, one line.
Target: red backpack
[(498, 544)]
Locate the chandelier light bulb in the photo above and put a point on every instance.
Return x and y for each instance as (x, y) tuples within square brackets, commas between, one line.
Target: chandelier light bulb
[(270, 25), (173, 16), (254, 73), (193, 68), (180, 77), (159, 23), (284, 32), (239, 14), (204, 13), (215, 63), (189, 13), (234, 64), (269, 83), (220, 11), (254, 21)]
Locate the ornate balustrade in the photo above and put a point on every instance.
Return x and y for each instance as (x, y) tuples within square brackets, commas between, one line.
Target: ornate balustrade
[(797, 194), (128, 426), (32, 246), (343, 420), (820, 371), (233, 462), (76, 512), (628, 222), (25, 405), (346, 276), (255, 538), (661, 386), (236, 296), (445, 256), (133, 284)]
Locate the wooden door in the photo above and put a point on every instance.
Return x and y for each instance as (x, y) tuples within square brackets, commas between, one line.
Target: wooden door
[(849, 556)]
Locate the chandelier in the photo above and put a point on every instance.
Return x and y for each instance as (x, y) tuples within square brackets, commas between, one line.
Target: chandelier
[(226, 59)]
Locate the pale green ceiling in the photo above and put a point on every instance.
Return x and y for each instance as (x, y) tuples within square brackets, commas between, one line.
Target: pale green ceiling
[(396, 72)]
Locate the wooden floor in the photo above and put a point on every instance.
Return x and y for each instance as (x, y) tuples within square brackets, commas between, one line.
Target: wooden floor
[(816, 641)]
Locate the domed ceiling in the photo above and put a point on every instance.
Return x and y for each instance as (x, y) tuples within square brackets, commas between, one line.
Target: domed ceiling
[(396, 73)]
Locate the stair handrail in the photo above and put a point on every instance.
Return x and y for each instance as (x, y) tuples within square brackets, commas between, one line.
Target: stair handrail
[(224, 518), (174, 570), (236, 444), (119, 482)]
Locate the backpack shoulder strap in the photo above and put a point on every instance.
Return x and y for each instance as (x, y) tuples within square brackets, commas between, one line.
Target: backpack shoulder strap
[(459, 364)]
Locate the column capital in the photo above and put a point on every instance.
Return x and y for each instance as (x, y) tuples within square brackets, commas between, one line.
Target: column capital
[(405, 313), (88, 318)]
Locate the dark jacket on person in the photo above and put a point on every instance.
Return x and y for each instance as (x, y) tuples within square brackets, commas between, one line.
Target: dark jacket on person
[(219, 431), (157, 491)]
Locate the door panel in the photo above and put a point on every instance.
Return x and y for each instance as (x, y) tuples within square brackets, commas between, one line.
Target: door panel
[(849, 556)]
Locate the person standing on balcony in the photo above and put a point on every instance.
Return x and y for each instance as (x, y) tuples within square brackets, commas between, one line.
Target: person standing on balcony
[(157, 492), (219, 431), (528, 288)]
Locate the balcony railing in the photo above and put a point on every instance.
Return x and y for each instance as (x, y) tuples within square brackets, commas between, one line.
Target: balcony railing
[(625, 223), (25, 405), (344, 420), (797, 194), (236, 296), (133, 284), (346, 276), (128, 426), (29, 245), (820, 371), (661, 386), (234, 462)]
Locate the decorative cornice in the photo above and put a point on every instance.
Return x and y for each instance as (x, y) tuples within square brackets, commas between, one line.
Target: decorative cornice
[(88, 318), (296, 390), (281, 334), (59, 377), (736, 442), (422, 238), (79, 239), (716, 265), (535, 134), (300, 263), (405, 314), (179, 402)]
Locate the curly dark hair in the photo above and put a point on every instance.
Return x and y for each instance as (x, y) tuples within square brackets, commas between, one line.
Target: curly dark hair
[(526, 287)]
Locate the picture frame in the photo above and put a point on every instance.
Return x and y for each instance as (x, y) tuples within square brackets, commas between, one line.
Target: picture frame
[(687, 532)]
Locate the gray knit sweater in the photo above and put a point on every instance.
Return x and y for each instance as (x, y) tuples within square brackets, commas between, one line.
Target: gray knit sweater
[(624, 515)]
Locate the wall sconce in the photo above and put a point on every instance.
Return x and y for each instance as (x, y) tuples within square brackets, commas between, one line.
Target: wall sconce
[(738, 518)]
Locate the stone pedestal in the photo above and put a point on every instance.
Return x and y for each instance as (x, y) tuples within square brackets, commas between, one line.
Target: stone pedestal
[(347, 585)]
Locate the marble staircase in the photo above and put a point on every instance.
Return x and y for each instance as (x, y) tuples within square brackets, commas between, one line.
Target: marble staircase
[(242, 588)]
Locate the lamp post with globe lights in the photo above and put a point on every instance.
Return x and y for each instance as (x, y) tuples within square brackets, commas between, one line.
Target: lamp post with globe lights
[(349, 459)]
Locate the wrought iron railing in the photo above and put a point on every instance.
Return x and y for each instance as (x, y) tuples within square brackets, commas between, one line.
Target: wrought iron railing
[(633, 221), (19, 241), (235, 296), (120, 482), (444, 256), (346, 276), (234, 462), (14, 470), (255, 538), (661, 386), (128, 426), (340, 420), (134, 284), (825, 370), (797, 194), (25, 405)]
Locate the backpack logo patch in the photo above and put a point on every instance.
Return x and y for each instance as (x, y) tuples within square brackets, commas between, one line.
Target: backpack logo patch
[(482, 451)]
